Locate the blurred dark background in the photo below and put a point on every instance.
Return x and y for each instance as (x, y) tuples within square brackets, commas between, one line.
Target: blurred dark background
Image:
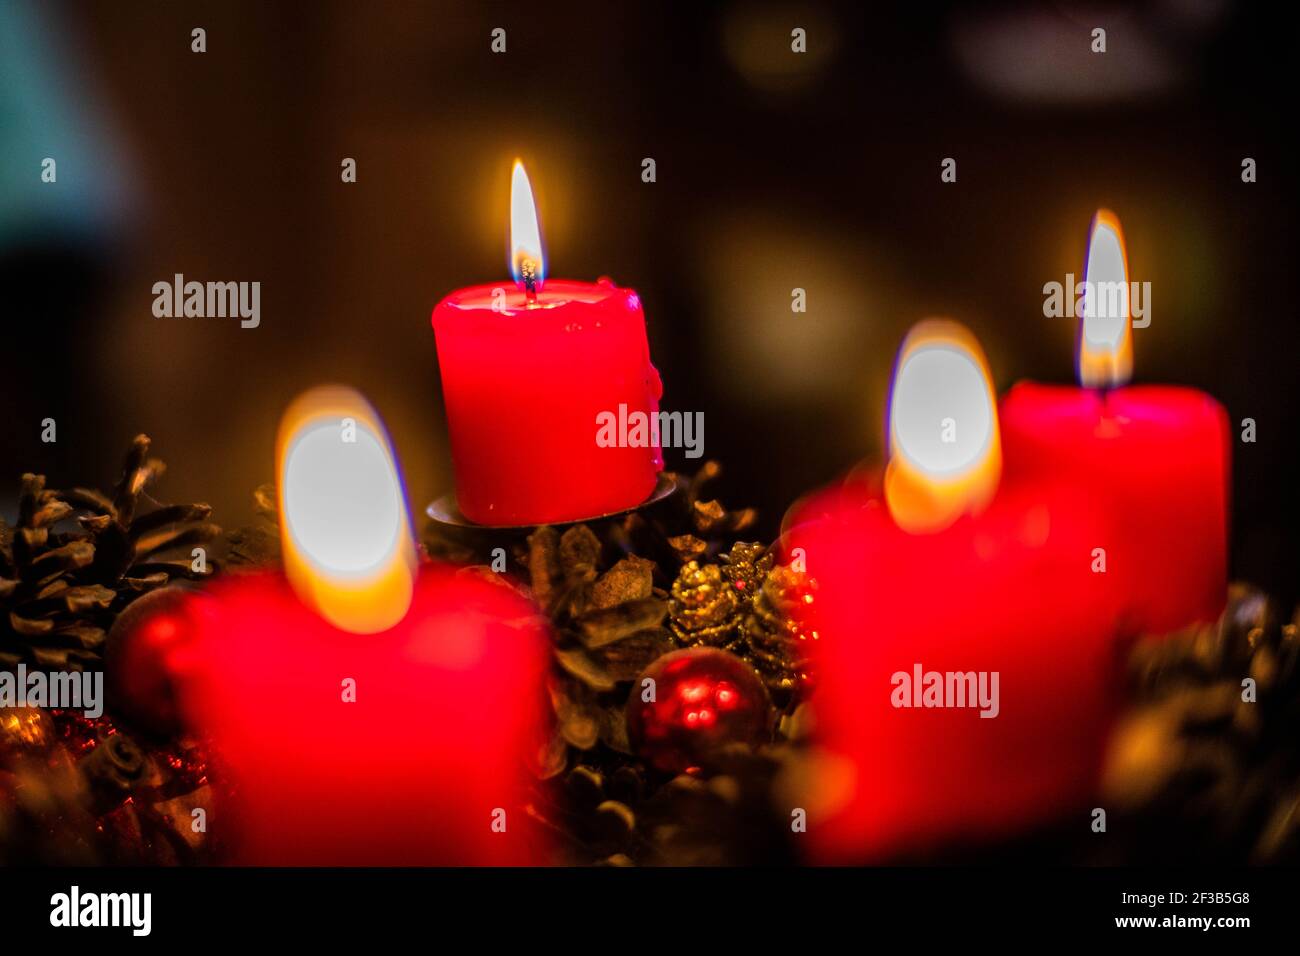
[(775, 171)]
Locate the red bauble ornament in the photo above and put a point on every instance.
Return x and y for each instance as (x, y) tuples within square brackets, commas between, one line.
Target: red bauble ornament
[(143, 653), (704, 699)]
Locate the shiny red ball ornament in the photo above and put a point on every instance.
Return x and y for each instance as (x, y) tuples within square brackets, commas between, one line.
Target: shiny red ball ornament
[(143, 653), (701, 699)]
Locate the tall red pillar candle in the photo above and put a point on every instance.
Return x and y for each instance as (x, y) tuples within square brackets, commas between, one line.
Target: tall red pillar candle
[(529, 374), (950, 571), (361, 710), (1156, 458)]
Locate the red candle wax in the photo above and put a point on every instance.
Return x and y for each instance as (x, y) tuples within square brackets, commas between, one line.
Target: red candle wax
[(964, 649), (524, 384), (448, 710), (1008, 591), (1157, 459)]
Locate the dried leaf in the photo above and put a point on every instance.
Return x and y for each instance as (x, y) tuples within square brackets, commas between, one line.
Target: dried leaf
[(88, 499), (552, 757), (624, 660), (80, 599), (170, 514), (171, 538), (544, 564), (709, 516), (29, 542), (134, 477), (96, 523), (148, 582), (52, 658), (613, 730), (29, 498), (742, 520), (57, 586), (73, 555), (576, 712), (51, 513), (29, 627), (579, 553), (599, 628), (630, 579), (578, 662), (687, 547)]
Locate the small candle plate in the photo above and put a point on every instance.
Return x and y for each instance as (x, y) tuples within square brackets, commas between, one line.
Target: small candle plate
[(444, 510)]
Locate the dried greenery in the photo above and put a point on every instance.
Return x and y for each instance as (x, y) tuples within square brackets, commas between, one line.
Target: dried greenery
[(77, 790), (1210, 746), (1194, 757), (620, 593)]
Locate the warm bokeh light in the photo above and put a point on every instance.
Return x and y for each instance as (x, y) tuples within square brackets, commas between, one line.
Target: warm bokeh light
[(1105, 346), (945, 454), (526, 254), (345, 534)]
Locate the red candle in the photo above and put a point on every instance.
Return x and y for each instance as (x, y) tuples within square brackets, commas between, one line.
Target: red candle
[(1156, 458), (422, 769), (964, 650), (527, 375), (361, 712)]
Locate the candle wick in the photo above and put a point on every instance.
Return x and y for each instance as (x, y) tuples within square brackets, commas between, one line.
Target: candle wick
[(528, 272)]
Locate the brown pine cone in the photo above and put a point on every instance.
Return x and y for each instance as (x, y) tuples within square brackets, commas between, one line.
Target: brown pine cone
[(60, 590)]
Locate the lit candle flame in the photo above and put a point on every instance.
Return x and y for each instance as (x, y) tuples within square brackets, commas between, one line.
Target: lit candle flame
[(527, 261), (345, 536), (945, 451), (1105, 346)]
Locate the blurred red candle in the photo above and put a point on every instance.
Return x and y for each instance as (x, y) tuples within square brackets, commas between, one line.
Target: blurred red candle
[(361, 712), (951, 572), (526, 371), (1156, 458)]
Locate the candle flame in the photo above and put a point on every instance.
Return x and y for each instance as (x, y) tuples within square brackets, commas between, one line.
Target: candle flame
[(945, 451), (527, 261), (345, 536), (1105, 346)]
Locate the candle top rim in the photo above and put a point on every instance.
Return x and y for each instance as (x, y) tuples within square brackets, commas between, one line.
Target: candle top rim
[(556, 303), (1075, 399)]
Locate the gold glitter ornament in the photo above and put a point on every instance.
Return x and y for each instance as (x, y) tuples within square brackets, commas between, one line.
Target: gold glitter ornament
[(779, 632), (704, 607), (745, 566)]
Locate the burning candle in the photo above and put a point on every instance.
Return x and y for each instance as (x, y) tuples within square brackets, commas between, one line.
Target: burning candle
[(964, 651), (362, 711), (1155, 457), (527, 375)]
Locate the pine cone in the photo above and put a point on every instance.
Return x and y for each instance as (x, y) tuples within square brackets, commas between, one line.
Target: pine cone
[(777, 632), (745, 566), (704, 608), (60, 590), (1205, 750)]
